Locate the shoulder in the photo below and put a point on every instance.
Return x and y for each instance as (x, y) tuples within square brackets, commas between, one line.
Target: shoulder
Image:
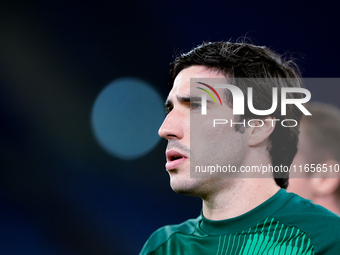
[(163, 234), (298, 209), (320, 225)]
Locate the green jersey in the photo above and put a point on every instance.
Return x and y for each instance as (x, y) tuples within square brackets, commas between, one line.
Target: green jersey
[(284, 224)]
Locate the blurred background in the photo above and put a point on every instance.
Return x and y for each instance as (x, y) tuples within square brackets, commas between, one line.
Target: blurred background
[(82, 86)]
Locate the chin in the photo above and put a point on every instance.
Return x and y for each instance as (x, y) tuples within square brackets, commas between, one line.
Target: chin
[(186, 192), (185, 187)]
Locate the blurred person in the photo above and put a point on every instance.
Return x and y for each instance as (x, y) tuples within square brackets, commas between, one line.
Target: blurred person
[(319, 144), (239, 215)]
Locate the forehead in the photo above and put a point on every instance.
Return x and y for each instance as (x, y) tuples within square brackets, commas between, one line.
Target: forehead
[(181, 86)]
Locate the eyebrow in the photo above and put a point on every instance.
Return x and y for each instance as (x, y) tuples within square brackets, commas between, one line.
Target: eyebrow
[(188, 99), (192, 99), (185, 99)]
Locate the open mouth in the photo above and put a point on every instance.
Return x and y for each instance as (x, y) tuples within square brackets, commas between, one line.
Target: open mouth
[(174, 159)]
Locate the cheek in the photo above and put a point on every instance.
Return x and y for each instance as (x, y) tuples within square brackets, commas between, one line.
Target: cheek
[(220, 143), (217, 137)]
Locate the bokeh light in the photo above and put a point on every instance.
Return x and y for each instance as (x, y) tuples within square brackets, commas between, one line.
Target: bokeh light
[(126, 117)]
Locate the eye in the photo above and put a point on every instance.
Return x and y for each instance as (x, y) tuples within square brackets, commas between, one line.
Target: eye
[(168, 109), (168, 106), (195, 106)]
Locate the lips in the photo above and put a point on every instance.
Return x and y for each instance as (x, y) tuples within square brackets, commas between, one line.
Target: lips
[(174, 159)]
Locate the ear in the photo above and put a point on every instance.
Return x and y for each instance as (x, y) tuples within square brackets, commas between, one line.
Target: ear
[(325, 183), (260, 129)]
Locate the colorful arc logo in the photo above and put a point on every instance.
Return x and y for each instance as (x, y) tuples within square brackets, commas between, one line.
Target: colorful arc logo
[(209, 92)]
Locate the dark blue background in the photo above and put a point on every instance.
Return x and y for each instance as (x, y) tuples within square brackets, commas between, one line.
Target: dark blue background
[(60, 193)]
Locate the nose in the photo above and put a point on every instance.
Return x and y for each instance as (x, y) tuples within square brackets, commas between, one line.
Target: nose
[(171, 127)]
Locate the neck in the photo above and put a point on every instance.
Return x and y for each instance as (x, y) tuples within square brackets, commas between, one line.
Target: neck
[(241, 196)]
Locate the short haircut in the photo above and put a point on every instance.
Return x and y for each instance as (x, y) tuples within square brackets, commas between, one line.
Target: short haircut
[(244, 60)]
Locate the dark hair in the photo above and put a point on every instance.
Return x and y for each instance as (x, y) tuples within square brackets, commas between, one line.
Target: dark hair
[(250, 62)]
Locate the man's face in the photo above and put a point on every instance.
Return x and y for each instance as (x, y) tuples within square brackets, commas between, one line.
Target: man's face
[(218, 145)]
